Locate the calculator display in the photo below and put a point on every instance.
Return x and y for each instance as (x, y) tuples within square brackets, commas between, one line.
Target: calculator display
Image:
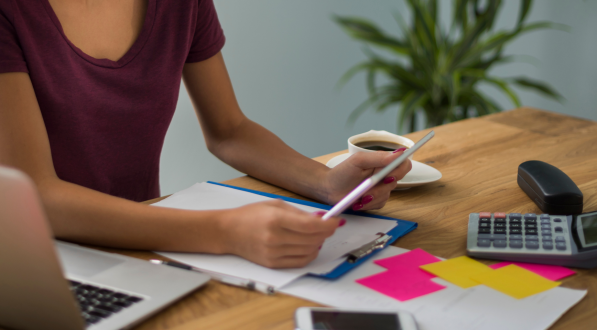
[(589, 228)]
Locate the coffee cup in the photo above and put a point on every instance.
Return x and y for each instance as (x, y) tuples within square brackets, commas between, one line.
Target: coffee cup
[(377, 140)]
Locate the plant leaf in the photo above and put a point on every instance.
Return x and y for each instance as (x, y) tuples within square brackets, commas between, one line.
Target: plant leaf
[(351, 72), (371, 81), (483, 104), (497, 82), (432, 9), (467, 42), (490, 12), (525, 6), (455, 85), (460, 14), (496, 59), (540, 87), (358, 111), (424, 24), (492, 43), (368, 32), (544, 25), (410, 104), (502, 85)]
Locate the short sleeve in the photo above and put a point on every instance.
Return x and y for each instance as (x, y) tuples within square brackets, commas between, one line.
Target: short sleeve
[(208, 38), (11, 54)]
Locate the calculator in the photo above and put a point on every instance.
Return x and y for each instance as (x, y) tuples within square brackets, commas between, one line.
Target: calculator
[(566, 240)]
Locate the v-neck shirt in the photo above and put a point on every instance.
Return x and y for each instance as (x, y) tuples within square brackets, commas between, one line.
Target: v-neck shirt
[(106, 120)]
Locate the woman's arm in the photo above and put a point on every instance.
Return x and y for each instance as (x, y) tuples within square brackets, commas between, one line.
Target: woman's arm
[(77, 213), (269, 231), (252, 149)]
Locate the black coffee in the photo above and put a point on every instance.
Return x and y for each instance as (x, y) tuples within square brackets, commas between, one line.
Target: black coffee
[(379, 145)]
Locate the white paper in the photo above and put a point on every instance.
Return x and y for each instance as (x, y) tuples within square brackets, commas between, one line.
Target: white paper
[(205, 196), (475, 308)]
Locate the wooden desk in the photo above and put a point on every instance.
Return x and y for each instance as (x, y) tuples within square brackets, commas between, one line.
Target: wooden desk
[(478, 159)]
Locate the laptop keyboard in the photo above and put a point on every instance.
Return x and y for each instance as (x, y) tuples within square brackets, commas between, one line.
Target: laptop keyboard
[(99, 303)]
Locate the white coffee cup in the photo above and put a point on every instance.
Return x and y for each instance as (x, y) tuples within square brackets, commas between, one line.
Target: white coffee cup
[(387, 139)]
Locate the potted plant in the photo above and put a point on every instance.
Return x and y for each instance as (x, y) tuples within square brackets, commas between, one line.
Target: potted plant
[(437, 70)]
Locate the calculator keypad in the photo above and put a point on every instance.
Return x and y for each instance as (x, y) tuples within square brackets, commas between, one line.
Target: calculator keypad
[(521, 232)]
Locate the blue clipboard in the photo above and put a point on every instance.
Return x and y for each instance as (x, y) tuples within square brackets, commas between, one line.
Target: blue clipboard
[(404, 227)]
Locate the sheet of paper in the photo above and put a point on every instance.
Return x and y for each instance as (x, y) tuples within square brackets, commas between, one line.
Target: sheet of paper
[(457, 270), (453, 308), (550, 272), (337, 245), (515, 281), (334, 248), (205, 196), (401, 283)]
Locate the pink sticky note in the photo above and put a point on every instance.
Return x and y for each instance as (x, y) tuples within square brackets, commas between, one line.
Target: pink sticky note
[(412, 259), (550, 272), (401, 284)]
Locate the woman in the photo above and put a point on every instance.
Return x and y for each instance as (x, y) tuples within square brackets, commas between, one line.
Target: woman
[(87, 91)]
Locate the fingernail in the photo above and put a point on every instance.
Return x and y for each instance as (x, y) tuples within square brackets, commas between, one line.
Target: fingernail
[(367, 199), (398, 150), (389, 179), (342, 222), (357, 206), (319, 213)]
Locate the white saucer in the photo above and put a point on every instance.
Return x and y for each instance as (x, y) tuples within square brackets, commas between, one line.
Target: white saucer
[(419, 174)]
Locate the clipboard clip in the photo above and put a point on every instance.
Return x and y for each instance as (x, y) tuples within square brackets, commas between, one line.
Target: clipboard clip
[(368, 248)]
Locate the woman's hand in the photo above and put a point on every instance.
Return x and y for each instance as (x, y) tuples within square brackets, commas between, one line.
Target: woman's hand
[(343, 178), (275, 234)]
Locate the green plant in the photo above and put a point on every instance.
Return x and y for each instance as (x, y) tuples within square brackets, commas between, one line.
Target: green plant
[(439, 71)]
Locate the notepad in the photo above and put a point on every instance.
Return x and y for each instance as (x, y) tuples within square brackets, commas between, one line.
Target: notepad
[(411, 259), (515, 281), (550, 272), (404, 280), (457, 271), (401, 283)]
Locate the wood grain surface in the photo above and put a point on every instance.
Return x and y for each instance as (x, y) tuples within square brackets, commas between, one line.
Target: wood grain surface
[(478, 159)]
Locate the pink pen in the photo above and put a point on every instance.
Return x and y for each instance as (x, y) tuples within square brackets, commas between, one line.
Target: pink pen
[(349, 199)]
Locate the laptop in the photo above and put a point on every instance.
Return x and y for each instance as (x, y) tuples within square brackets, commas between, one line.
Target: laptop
[(48, 284)]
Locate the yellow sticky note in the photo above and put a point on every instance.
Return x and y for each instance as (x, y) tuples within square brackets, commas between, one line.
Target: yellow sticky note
[(515, 281), (457, 271)]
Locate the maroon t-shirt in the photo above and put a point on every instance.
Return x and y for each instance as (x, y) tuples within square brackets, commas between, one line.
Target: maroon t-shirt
[(107, 120)]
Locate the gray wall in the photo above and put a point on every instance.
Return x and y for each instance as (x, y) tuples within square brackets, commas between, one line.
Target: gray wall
[(285, 58)]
